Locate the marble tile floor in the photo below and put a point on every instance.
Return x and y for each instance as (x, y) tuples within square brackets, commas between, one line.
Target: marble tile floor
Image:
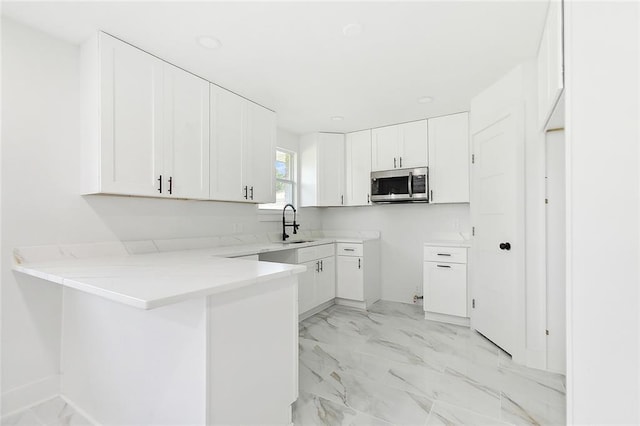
[(54, 412), (391, 366)]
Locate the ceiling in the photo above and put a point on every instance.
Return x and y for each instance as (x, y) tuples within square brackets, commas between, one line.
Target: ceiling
[(294, 58)]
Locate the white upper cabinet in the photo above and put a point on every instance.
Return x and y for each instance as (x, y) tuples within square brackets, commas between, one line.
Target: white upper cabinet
[(186, 135), (358, 168), (153, 129), (384, 148), (412, 151), (550, 64), (242, 149), (449, 159), (122, 124), (146, 125), (228, 118), (399, 146), (322, 170), (259, 154)]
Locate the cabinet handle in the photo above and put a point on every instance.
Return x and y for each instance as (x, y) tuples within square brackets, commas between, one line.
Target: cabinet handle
[(321, 266), (342, 200), (431, 195), (170, 184), (394, 162), (443, 266), (160, 188), (252, 192), (444, 254), (349, 249), (400, 162), (359, 263), (245, 192), (368, 199)]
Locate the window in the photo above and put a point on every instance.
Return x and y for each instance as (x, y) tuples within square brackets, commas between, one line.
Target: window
[(285, 170)]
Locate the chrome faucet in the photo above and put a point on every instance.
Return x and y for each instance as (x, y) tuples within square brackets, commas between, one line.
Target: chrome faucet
[(285, 224)]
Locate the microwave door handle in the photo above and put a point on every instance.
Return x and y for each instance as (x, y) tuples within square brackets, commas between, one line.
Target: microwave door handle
[(410, 185)]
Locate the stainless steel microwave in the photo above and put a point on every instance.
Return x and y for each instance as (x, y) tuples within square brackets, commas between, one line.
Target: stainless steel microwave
[(400, 185)]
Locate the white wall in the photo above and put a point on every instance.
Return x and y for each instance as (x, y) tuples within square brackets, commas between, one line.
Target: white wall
[(41, 205), (404, 228), (602, 115)]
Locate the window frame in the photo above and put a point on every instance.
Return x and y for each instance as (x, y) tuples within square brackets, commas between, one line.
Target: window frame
[(262, 208)]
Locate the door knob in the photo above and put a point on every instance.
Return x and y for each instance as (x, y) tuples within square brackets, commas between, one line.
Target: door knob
[(505, 246)]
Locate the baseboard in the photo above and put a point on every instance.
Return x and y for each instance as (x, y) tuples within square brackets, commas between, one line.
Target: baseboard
[(450, 319), (80, 411), (31, 394), (315, 310), (351, 303)]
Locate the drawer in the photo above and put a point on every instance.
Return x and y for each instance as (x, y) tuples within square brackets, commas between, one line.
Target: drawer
[(307, 254), (445, 254), (349, 249)]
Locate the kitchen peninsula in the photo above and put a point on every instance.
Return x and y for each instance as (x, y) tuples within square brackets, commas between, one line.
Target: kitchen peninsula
[(180, 337)]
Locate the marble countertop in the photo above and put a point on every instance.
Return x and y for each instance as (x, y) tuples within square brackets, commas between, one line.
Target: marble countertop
[(448, 243), (150, 274), (149, 281)]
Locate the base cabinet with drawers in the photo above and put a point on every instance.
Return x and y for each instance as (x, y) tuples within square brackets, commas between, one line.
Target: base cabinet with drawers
[(445, 284), (358, 273)]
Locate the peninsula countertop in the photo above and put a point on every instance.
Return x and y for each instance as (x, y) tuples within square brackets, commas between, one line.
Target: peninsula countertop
[(154, 279)]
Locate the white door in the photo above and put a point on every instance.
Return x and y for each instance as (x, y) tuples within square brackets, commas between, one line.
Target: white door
[(497, 212), (449, 159), (259, 154), (186, 137), (331, 169), (350, 278), (556, 251), (228, 116), (326, 281), (131, 131), (358, 168), (445, 288), (413, 145), (384, 148), (307, 286)]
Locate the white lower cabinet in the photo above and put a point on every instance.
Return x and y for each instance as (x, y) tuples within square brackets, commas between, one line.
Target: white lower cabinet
[(445, 284), (316, 286), (358, 274)]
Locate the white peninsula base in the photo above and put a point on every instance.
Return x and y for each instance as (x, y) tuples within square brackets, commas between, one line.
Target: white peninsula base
[(230, 358)]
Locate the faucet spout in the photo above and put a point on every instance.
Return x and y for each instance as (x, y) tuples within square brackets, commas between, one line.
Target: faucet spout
[(294, 225)]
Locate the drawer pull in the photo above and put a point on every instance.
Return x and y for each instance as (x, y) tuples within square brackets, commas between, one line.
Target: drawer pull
[(444, 254), (443, 266), (349, 249)]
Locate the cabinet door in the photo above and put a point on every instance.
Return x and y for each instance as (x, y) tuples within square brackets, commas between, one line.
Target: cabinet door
[(331, 169), (358, 168), (186, 137), (384, 148), (131, 119), (350, 278), (307, 286), (445, 288), (449, 159), (326, 281), (413, 145), (228, 116), (259, 154)]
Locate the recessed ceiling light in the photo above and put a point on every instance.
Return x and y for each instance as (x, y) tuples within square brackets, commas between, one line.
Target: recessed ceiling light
[(425, 100), (352, 30), (337, 118), (209, 42)]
